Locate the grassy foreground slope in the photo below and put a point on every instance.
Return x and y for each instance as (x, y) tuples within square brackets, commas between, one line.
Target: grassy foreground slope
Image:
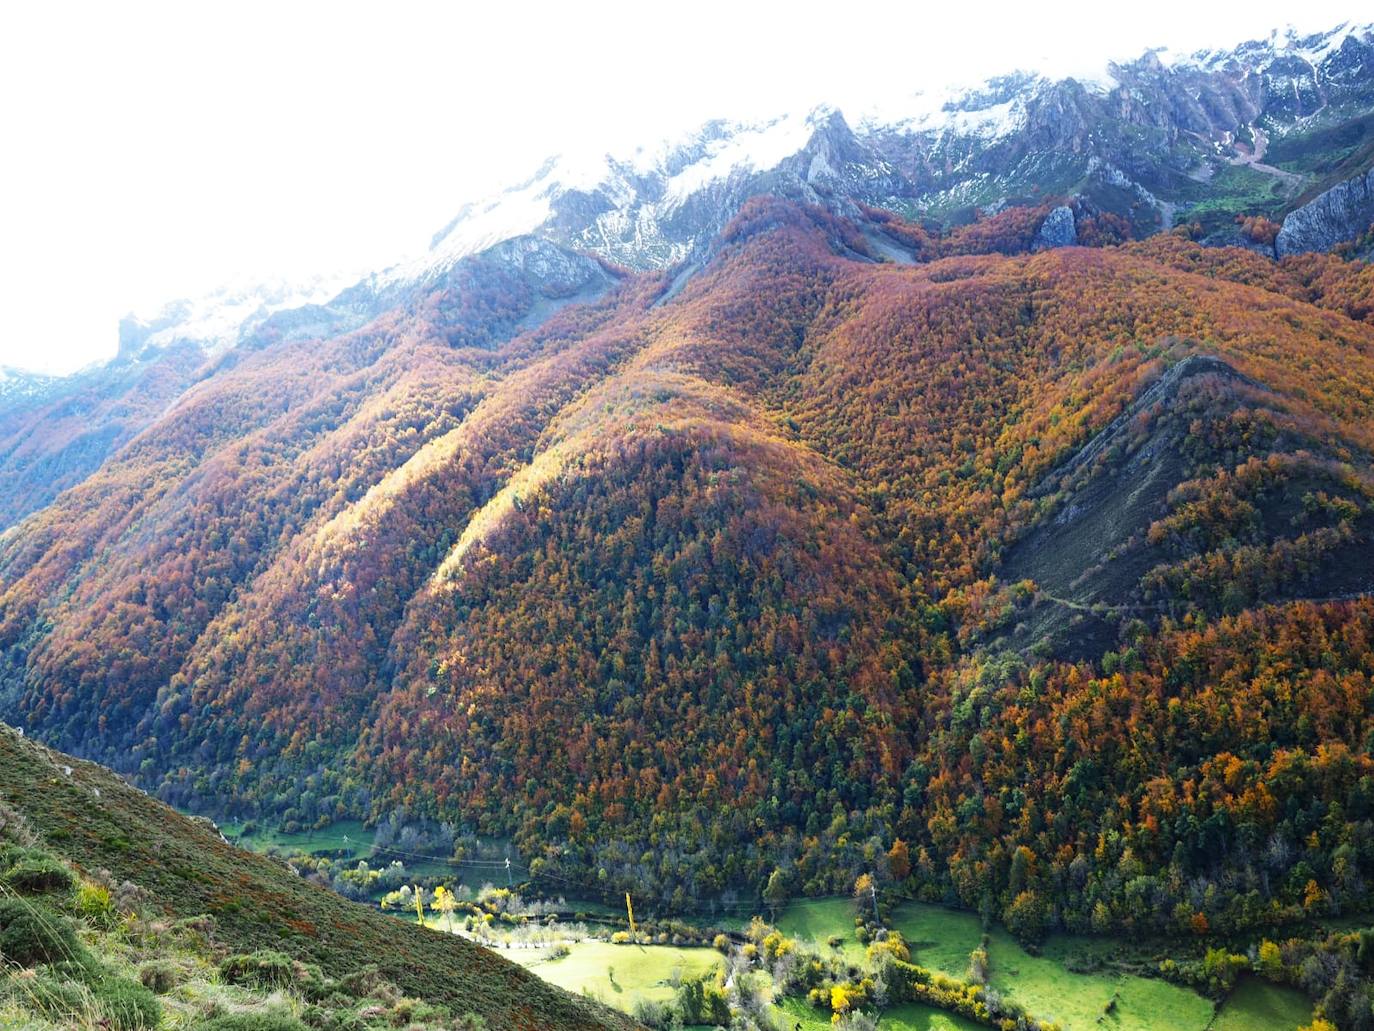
[(95, 822)]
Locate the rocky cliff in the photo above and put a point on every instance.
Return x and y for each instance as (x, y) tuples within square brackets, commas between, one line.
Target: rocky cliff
[(1343, 213)]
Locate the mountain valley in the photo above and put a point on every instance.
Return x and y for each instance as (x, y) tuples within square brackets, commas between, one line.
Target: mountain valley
[(969, 503)]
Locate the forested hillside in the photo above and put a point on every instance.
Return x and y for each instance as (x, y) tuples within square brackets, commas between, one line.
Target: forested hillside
[(1035, 582)]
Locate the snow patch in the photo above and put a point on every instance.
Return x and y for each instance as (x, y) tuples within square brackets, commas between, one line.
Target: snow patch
[(750, 147), (224, 317), (949, 111)]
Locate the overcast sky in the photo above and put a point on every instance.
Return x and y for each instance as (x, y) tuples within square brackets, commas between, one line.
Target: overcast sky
[(151, 151)]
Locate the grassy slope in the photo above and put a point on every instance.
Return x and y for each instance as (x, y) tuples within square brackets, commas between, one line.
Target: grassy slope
[(815, 921), (97, 821), (1257, 1004), (917, 1017), (942, 940), (913, 1016)]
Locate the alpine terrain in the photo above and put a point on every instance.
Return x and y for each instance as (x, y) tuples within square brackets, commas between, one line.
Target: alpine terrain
[(970, 499)]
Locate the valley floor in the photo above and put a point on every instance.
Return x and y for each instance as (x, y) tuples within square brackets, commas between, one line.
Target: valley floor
[(1070, 980), (1057, 985)]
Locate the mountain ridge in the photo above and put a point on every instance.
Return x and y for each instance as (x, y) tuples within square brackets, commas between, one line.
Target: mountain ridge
[(591, 202)]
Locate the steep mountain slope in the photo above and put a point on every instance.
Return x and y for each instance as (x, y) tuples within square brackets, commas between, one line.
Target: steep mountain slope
[(56, 431), (246, 902), (698, 580)]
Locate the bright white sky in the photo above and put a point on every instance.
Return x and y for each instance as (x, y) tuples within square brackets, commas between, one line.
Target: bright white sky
[(150, 151)]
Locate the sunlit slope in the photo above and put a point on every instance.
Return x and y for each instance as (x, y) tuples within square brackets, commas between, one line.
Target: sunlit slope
[(813, 553)]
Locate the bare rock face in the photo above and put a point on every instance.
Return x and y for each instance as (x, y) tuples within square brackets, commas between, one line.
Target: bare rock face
[(1342, 213), (1058, 230)]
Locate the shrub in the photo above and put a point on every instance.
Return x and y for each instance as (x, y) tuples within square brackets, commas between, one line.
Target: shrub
[(323, 1018), (126, 1005), (31, 934), (93, 902), (268, 969), (367, 982), (53, 997), (656, 1014), (31, 871), (159, 976), (202, 924), (263, 969), (1027, 917), (14, 826)]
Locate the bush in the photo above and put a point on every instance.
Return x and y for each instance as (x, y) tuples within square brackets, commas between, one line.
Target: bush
[(53, 997), (126, 1005), (31, 934), (31, 871), (93, 902), (159, 976), (268, 969), (325, 1018), (14, 826), (656, 1014), (367, 982), (264, 969)]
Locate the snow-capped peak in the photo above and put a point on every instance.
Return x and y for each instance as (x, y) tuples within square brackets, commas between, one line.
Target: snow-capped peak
[(223, 317), (647, 184), (1313, 48), (988, 111), (757, 147), (17, 384)]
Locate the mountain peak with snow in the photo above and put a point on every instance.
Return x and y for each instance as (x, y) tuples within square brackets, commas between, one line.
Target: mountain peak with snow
[(1144, 139), (224, 317)]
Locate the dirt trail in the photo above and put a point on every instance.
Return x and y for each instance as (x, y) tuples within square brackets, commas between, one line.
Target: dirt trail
[(1255, 158), (1121, 610)]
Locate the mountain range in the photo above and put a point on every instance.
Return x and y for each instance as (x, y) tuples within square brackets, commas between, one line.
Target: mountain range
[(989, 476), (1266, 130)]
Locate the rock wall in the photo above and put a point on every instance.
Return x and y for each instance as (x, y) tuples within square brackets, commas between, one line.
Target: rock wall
[(1342, 213), (1058, 230)]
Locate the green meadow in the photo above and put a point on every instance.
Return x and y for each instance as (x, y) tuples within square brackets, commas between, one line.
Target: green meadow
[(345, 836), (817, 921), (1048, 985), (1257, 1004), (942, 940), (618, 975), (916, 1017)]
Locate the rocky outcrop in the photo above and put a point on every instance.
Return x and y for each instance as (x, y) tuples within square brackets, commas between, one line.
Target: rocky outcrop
[(1058, 230), (1342, 213)]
